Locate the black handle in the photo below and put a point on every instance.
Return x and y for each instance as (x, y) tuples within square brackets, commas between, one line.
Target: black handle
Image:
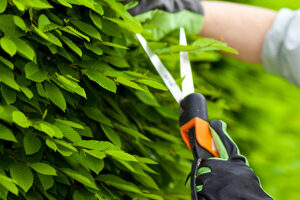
[(194, 105)]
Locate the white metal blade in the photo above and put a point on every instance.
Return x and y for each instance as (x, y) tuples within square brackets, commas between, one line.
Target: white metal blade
[(161, 69), (185, 68)]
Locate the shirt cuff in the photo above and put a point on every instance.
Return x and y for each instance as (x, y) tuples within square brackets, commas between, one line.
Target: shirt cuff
[(281, 50)]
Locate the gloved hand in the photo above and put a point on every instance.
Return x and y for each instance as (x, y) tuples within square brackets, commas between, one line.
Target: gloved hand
[(228, 177), (164, 16)]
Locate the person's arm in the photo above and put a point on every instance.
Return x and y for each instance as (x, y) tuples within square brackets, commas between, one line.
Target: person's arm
[(240, 26)]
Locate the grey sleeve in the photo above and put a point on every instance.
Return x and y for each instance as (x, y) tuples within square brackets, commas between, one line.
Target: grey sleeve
[(281, 50)]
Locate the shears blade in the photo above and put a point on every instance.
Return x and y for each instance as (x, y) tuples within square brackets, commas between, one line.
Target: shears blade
[(185, 68), (161, 69)]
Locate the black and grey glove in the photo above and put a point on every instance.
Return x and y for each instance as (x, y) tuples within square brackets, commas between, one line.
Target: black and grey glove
[(164, 16), (228, 177)]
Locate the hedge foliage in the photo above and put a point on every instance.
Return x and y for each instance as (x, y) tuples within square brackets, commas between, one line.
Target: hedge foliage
[(83, 114)]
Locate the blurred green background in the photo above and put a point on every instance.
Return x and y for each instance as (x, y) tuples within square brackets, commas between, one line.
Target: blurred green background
[(264, 117)]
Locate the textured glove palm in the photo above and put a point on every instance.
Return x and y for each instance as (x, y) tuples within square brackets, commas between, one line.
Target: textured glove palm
[(164, 16), (228, 177)]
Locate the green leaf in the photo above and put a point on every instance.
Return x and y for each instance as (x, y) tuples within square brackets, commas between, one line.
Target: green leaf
[(3, 192), (43, 21), (53, 39), (119, 154), (7, 77), (24, 49), (129, 83), (9, 184), (34, 73), (41, 91), (8, 94), (20, 119), (162, 134), (46, 181), (147, 98), (19, 22), (87, 29), (97, 115), (70, 123), (68, 132), (27, 92), (8, 27), (117, 61), (73, 31), (71, 85), (49, 129), (102, 80), (7, 62), (89, 4), (66, 145), (65, 54), (6, 113), (152, 196), (98, 7), (32, 144), (116, 46), (55, 96), (43, 168), (153, 84), (38, 4), (94, 48), (131, 22), (119, 183), (22, 175), (94, 164), (77, 176), (3, 4), (40, 33), (51, 144), (147, 181), (72, 45), (107, 26), (168, 112), (96, 153), (8, 46), (207, 44), (64, 3), (94, 144), (96, 19), (131, 132), (6, 134), (133, 27), (111, 135), (86, 132)]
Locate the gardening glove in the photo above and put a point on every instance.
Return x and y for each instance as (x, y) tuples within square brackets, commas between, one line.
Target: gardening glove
[(227, 177), (162, 17)]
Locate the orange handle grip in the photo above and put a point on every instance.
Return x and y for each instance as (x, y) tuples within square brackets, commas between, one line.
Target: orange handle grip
[(202, 133)]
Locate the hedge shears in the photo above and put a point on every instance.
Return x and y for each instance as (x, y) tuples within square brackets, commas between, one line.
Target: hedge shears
[(193, 117)]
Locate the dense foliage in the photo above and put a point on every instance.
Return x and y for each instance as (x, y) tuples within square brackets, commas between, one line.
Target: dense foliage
[(83, 115)]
